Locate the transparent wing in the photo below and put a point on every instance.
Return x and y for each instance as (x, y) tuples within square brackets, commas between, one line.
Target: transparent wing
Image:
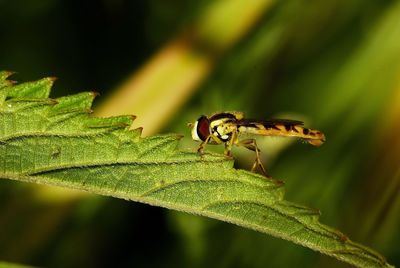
[(270, 123)]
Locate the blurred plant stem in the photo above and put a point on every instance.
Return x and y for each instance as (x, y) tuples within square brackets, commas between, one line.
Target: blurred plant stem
[(155, 92)]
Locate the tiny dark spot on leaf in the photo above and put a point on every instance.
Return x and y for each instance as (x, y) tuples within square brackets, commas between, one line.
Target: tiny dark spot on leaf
[(343, 238), (55, 153), (53, 101)]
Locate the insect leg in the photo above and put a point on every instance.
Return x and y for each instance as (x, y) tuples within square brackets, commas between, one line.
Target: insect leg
[(251, 144), (229, 144), (228, 149), (200, 150)]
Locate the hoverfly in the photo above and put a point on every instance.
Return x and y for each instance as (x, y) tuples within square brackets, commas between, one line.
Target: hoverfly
[(229, 127)]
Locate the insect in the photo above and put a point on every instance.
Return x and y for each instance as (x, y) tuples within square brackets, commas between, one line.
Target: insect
[(228, 128)]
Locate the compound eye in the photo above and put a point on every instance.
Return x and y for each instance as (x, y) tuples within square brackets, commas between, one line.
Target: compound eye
[(203, 128)]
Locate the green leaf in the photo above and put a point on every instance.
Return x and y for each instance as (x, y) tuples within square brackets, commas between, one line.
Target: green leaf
[(57, 142)]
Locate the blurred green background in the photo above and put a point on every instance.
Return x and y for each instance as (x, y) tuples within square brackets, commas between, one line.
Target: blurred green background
[(334, 64)]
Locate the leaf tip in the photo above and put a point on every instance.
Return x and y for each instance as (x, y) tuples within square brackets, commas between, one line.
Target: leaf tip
[(6, 74), (53, 101), (278, 183), (11, 82), (94, 93), (179, 136), (138, 130)]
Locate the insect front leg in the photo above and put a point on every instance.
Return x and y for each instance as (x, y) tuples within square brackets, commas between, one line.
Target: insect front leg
[(251, 144), (200, 150)]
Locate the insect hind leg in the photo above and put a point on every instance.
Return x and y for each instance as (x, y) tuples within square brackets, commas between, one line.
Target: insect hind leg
[(251, 144)]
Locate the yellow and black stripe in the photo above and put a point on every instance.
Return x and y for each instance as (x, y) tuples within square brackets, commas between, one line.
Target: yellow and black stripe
[(281, 127)]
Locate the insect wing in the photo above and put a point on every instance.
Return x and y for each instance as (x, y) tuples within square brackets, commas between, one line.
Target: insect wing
[(271, 123)]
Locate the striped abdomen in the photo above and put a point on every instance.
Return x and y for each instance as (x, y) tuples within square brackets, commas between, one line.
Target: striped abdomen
[(285, 128)]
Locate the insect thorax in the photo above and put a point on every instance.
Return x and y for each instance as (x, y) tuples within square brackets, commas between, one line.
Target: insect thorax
[(222, 129)]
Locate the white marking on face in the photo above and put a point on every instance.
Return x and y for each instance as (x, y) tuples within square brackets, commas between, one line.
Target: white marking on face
[(216, 123), (221, 130), (195, 136)]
